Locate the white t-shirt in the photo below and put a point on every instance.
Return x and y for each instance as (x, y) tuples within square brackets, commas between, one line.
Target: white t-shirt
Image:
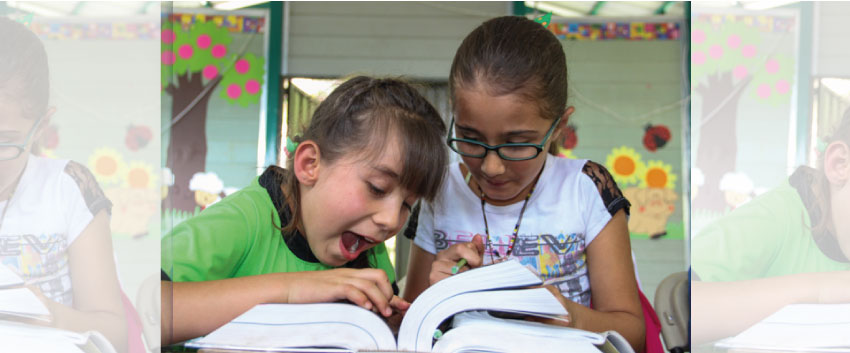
[(572, 202), (55, 200)]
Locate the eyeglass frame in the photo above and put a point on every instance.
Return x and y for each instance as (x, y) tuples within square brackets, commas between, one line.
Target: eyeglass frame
[(22, 146), (488, 148)]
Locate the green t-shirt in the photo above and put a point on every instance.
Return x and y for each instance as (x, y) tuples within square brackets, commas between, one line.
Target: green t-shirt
[(237, 237), (767, 237)]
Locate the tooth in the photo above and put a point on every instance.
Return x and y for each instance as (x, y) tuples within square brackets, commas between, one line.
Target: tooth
[(354, 246)]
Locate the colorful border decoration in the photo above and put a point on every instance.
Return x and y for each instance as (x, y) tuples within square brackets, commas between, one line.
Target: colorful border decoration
[(233, 23), (105, 30), (616, 31), (764, 23)]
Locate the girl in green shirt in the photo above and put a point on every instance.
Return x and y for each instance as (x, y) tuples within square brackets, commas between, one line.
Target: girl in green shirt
[(790, 245), (312, 232)]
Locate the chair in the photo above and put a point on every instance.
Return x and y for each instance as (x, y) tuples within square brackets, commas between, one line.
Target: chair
[(673, 305), (148, 304)]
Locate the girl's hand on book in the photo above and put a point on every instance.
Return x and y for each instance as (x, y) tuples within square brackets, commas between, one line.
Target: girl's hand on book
[(368, 288), (400, 307), (564, 320), (472, 251)]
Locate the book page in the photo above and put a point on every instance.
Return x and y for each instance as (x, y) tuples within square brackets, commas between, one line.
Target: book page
[(813, 327), (22, 302), (20, 337), (537, 300), (275, 326), (507, 274), (497, 336), (9, 278)]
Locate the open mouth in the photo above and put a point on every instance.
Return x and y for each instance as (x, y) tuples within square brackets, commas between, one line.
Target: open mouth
[(352, 244)]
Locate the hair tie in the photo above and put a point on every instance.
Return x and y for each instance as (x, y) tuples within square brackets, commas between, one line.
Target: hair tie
[(544, 20), (821, 145), (290, 146)]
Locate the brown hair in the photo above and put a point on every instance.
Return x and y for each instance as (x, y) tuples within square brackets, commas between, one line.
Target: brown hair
[(359, 116), (513, 55), (823, 225), (23, 68)]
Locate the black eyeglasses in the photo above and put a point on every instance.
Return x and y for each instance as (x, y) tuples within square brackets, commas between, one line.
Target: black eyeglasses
[(507, 151), (9, 151)]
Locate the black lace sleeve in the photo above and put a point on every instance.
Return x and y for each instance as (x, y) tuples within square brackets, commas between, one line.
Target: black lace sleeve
[(92, 194), (607, 187)]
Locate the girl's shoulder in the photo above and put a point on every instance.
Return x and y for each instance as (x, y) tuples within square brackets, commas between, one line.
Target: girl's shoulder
[(588, 177)]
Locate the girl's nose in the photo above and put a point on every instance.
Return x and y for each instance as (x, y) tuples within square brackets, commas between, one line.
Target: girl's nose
[(493, 165), (388, 216)]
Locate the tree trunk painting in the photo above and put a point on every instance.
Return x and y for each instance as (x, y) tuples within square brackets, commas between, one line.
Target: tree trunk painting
[(187, 140)]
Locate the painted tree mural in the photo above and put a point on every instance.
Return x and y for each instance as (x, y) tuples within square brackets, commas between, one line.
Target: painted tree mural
[(730, 59), (196, 59)]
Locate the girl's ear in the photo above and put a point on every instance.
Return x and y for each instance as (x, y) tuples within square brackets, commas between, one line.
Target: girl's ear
[(307, 162), (559, 130), (837, 163), (45, 121), (35, 143), (566, 117)]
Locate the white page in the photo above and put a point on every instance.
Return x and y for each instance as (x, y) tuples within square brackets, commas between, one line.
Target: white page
[(537, 300), (22, 301), (9, 278), (473, 338), (20, 337), (507, 274), (823, 327), (275, 326), (483, 321)]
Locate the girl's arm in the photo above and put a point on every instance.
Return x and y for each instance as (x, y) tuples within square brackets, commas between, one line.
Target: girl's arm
[(418, 270), (716, 315), (614, 293), (193, 309), (97, 295)]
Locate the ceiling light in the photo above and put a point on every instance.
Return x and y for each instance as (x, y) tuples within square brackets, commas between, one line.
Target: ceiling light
[(233, 5)]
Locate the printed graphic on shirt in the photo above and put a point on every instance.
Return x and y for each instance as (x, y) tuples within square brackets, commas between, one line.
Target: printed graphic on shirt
[(559, 259), (41, 261)]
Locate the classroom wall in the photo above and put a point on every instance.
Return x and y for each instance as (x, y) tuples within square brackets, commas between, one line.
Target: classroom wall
[(613, 85), (742, 121), (232, 129), (105, 94), (830, 42), (417, 39)]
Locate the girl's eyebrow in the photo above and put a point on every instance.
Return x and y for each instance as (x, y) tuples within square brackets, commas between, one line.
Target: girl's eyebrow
[(508, 134)]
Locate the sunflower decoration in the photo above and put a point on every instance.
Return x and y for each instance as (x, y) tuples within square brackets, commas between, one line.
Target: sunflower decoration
[(658, 175), (566, 153), (139, 176), (625, 165), (107, 165)]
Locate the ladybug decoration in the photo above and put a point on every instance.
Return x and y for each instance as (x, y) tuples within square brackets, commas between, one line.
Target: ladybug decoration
[(656, 137), (137, 137), (569, 139)]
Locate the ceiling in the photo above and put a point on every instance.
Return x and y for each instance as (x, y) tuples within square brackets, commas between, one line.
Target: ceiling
[(558, 8)]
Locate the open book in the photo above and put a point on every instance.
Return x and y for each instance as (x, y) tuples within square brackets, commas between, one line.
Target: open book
[(799, 327), (17, 300), (351, 328), (20, 337)]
